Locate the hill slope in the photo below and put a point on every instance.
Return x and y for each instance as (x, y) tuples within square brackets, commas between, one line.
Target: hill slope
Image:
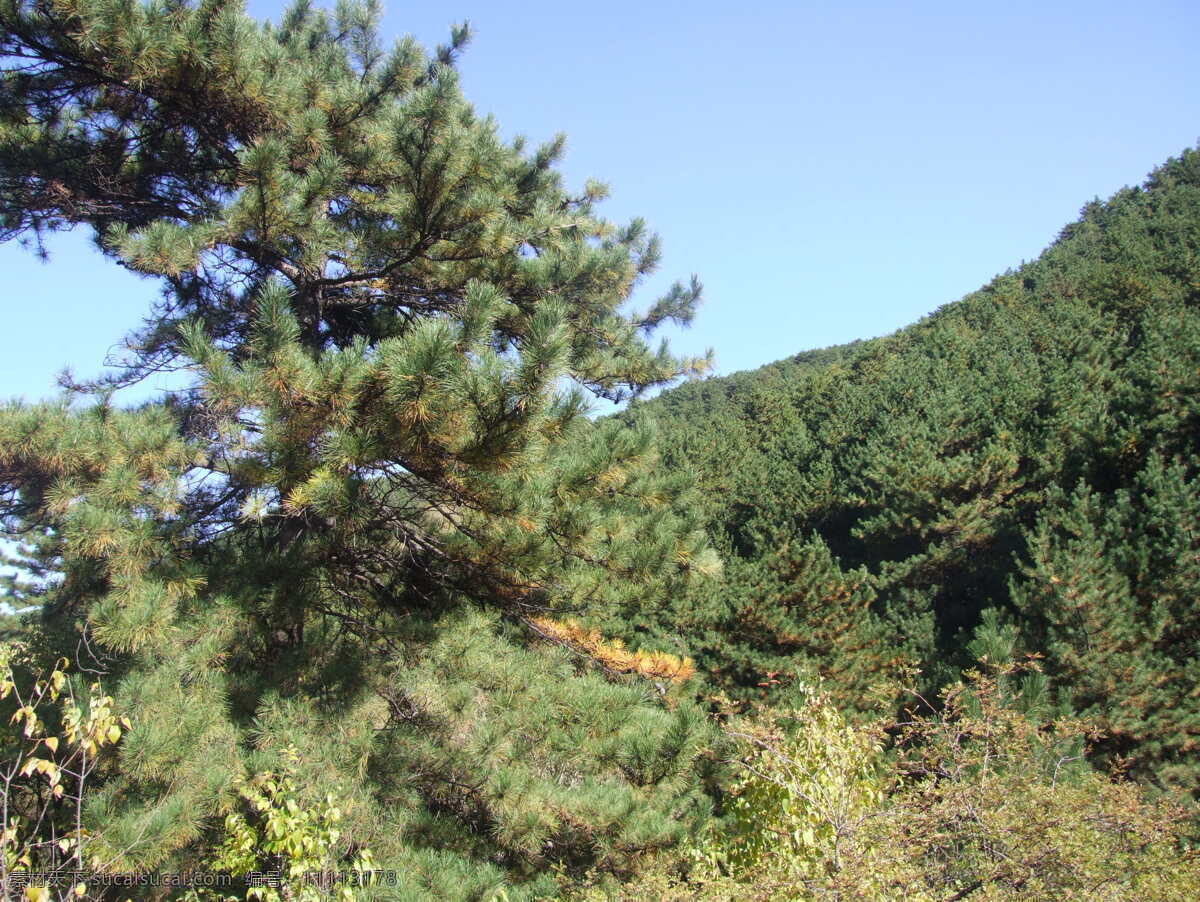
[(1027, 457)]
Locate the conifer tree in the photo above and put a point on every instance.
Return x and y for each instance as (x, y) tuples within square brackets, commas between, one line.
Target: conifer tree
[(337, 539)]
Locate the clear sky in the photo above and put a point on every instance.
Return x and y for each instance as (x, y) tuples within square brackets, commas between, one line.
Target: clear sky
[(830, 171)]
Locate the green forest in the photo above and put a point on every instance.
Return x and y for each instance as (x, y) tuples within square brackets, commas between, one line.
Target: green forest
[(375, 609)]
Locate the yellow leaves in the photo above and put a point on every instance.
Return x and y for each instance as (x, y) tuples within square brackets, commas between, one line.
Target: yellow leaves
[(63, 760), (285, 833), (98, 728), (29, 715), (613, 654)]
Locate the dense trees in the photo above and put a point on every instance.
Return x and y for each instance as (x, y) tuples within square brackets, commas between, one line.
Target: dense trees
[(373, 589), (1029, 451)]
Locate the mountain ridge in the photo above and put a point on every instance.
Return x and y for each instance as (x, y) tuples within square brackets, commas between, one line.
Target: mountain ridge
[(902, 500)]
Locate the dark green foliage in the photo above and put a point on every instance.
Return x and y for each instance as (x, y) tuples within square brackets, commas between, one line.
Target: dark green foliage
[(338, 538), (1111, 597), (1031, 449)]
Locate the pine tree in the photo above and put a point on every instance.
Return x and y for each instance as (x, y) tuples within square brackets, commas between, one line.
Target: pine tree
[(339, 539), (1109, 594)]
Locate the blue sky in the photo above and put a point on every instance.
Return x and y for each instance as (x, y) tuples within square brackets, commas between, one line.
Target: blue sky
[(830, 171)]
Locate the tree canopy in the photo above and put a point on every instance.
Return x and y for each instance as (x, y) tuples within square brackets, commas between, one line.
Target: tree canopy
[(337, 539)]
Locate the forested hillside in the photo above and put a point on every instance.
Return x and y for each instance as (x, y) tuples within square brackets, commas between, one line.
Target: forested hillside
[(1027, 456), (341, 617)]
